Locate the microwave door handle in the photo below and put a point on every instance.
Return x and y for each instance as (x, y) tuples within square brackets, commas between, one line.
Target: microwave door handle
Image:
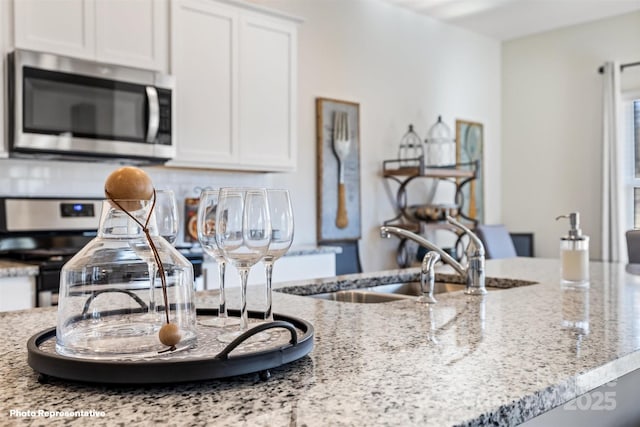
[(154, 114)]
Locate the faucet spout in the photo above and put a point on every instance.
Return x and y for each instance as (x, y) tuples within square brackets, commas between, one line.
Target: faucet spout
[(387, 230), (473, 274)]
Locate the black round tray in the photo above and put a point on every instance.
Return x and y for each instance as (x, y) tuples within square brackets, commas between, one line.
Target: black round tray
[(294, 340)]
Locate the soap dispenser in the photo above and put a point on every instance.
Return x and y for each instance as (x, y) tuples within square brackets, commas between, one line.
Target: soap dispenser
[(574, 253)]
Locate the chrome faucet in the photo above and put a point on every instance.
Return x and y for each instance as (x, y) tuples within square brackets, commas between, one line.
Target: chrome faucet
[(473, 274)]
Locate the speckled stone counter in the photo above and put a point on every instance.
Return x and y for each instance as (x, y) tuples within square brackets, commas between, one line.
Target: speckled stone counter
[(493, 360), (14, 269), (295, 250), (313, 250)]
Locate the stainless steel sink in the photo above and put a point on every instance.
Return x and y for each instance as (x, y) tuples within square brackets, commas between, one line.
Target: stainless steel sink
[(386, 293), (409, 290), (413, 288), (359, 296)]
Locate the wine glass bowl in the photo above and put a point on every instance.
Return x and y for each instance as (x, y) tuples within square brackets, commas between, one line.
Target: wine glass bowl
[(206, 222), (166, 213), (206, 229), (243, 235)]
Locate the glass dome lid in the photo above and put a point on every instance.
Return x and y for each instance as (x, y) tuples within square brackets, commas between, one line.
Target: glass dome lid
[(115, 300), (439, 132), (440, 146)]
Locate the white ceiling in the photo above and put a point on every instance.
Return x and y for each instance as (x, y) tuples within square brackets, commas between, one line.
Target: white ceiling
[(509, 19)]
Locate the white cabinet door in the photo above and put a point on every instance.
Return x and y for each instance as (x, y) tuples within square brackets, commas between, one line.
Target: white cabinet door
[(235, 71), (267, 93), (64, 27), (132, 32), (204, 64), (18, 293), (123, 32)]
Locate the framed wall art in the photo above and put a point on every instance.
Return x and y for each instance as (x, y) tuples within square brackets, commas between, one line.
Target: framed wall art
[(469, 147), (338, 170)]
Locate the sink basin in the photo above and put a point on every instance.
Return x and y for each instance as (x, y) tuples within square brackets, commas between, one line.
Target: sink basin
[(408, 290), (386, 293), (413, 288), (359, 296)]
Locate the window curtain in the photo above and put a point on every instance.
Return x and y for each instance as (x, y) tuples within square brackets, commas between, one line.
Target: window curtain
[(613, 244)]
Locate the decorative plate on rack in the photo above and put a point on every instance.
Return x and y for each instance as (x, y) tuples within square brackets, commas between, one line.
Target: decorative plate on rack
[(433, 212)]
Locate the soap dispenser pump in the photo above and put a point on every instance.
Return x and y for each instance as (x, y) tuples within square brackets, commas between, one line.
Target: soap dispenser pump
[(574, 253)]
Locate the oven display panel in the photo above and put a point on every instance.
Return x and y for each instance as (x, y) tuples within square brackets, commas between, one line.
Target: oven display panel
[(76, 210)]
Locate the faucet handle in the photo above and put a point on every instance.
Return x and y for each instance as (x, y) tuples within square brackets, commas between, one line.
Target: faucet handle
[(427, 277), (472, 236)]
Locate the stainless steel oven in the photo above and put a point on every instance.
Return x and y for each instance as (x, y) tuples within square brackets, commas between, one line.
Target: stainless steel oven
[(62, 107), (47, 232)]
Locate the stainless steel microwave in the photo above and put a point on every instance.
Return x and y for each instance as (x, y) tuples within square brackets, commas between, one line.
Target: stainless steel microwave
[(62, 107)]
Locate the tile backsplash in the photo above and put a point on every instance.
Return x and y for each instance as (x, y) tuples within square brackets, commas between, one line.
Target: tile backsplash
[(48, 178)]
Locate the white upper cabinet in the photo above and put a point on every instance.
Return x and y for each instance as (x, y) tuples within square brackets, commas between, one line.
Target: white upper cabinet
[(132, 32), (64, 27), (235, 71), (204, 64), (267, 63), (124, 32)]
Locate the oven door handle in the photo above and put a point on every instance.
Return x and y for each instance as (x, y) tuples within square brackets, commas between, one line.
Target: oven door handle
[(154, 114)]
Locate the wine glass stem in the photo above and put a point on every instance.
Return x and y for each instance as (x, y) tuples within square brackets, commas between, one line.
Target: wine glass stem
[(244, 319), (222, 312), (152, 286), (268, 314)]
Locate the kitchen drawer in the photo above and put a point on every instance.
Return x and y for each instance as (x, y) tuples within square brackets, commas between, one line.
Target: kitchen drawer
[(18, 292)]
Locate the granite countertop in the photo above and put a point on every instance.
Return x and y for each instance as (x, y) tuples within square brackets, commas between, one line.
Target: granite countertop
[(10, 268), (313, 250), (293, 251), (468, 360)]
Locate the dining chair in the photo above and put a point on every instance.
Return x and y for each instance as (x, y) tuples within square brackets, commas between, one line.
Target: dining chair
[(497, 241), (633, 246), (348, 260)]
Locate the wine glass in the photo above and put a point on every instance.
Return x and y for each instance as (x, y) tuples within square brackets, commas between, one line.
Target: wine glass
[(281, 215), (165, 212), (243, 234), (206, 218)]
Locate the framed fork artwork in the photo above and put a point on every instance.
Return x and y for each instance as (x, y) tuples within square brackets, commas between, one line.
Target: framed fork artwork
[(338, 170)]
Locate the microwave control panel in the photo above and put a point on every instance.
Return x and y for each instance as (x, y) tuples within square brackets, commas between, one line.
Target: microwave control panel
[(164, 128)]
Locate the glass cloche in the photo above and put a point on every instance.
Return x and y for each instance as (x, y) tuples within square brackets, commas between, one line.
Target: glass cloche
[(440, 146), (112, 301)]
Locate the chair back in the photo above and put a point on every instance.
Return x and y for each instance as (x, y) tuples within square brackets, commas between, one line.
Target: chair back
[(633, 246), (497, 241), (347, 261)]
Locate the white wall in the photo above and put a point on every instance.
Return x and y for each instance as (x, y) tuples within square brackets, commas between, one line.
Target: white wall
[(399, 66), (5, 41), (551, 126)]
